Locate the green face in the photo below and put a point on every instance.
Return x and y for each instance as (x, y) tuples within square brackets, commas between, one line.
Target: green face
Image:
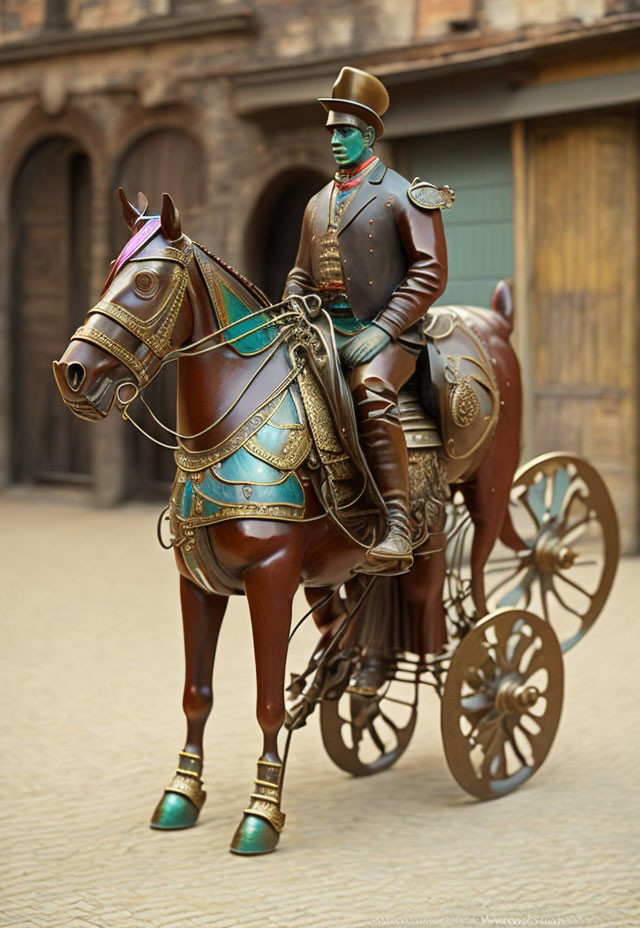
[(349, 145)]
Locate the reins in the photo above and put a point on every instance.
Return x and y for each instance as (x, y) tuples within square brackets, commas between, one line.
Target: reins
[(178, 353), (202, 347)]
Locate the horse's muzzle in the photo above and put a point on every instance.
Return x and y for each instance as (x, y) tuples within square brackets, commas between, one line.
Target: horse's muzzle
[(90, 401)]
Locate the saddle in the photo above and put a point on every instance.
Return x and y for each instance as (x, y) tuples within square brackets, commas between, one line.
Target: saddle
[(446, 410)]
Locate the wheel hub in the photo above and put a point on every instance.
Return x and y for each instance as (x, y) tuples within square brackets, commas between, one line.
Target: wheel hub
[(514, 698), (551, 555)]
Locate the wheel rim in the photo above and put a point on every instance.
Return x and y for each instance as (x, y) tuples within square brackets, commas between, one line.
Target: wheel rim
[(562, 510), (367, 734), (501, 703)]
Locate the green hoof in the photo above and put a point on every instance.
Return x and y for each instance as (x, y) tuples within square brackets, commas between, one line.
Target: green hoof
[(174, 811), (254, 836)]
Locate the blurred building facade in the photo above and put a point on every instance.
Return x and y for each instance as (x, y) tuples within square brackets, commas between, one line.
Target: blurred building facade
[(528, 109)]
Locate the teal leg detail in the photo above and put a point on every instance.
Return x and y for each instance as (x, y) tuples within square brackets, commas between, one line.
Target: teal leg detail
[(259, 830), (184, 797), (174, 811), (254, 836)]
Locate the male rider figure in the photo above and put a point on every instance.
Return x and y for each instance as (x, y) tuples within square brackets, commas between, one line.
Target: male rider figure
[(372, 246)]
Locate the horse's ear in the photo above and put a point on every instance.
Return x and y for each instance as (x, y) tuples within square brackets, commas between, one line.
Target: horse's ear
[(130, 213), (143, 203), (170, 219)]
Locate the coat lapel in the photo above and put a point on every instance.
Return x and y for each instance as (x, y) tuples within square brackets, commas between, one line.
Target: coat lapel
[(321, 218), (364, 195)]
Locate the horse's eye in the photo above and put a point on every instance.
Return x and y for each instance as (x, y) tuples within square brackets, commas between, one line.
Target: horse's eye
[(146, 283)]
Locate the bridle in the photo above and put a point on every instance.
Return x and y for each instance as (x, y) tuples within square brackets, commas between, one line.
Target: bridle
[(157, 332)]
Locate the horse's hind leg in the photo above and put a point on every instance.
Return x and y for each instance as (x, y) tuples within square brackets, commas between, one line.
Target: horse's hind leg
[(487, 499), (270, 588), (202, 615)]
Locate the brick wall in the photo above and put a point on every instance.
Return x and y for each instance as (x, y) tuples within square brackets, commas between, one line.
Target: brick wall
[(297, 28), (286, 29), (435, 17), (511, 14), (21, 18), (18, 17), (104, 14)]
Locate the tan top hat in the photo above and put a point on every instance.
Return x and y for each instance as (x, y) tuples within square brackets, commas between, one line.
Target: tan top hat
[(359, 94)]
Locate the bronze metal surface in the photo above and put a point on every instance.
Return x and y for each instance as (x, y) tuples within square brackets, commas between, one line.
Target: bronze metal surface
[(361, 95), (217, 396), (366, 732), (265, 800), (563, 512), (501, 703), (393, 253), (468, 393)]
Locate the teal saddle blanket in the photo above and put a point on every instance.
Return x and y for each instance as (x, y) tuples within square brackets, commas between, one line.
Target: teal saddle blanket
[(256, 480)]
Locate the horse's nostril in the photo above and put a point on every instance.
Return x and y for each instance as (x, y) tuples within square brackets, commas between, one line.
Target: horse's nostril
[(75, 373)]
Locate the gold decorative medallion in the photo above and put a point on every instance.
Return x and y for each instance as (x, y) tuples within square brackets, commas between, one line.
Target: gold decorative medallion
[(463, 400), (428, 196)]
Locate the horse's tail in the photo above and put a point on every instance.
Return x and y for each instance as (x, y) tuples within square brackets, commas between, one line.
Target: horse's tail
[(502, 301)]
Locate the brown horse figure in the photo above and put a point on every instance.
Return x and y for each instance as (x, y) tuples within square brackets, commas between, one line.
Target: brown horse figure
[(168, 299)]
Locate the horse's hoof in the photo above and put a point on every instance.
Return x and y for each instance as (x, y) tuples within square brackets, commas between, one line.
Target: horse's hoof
[(174, 811), (254, 836)]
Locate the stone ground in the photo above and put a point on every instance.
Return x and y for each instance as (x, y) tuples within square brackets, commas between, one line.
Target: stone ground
[(91, 687)]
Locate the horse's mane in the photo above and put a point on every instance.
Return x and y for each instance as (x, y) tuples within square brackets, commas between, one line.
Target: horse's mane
[(255, 291)]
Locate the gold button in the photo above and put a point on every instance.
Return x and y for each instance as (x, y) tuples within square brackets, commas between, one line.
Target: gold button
[(371, 283), (371, 251), (348, 278), (370, 234), (371, 222)]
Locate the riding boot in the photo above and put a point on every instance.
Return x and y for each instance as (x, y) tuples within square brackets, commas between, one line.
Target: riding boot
[(386, 452)]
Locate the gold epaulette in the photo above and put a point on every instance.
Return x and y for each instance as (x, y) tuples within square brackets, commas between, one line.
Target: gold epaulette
[(428, 196)]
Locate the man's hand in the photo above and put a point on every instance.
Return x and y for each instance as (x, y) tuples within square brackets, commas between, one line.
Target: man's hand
[(364, 346)]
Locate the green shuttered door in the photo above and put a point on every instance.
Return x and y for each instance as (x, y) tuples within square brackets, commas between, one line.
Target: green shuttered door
[(479, 228)]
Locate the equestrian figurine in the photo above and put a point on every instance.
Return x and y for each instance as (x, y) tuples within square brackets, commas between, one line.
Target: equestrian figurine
[(372, 246)]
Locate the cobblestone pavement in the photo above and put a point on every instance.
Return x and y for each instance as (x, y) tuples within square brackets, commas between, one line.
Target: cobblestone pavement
[(91, 686)]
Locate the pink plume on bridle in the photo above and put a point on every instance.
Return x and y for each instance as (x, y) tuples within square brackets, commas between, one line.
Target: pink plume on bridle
[(135, 243)]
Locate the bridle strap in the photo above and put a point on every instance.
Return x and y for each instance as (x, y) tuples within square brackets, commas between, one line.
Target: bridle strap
[(157, 331), (158, 340), (88, 333)]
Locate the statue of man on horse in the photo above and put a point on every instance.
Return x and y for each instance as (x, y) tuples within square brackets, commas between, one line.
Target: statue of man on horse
[(372, 246), (271, 492)]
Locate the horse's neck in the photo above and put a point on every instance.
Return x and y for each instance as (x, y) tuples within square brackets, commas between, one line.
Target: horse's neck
[(201, 380), (221, 386)]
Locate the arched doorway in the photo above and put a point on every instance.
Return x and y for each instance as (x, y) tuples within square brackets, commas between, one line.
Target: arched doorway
[(50, 223), (164, 160), (274, 229)]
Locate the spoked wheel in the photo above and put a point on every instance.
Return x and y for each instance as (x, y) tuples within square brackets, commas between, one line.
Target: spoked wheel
[(562, 510), (501, 702), (367, 734)]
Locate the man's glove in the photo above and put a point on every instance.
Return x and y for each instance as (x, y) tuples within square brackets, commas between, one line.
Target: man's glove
[(364, 346)]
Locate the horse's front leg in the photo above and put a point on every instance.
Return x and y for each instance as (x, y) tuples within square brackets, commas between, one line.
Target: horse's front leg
[(270, 587), (202, 615)]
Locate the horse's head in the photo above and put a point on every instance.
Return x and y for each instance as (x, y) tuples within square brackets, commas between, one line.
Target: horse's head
[(143, 314)]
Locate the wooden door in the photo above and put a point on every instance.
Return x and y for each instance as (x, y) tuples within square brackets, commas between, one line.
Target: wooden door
[(583, 234), (51, 206), (171, 161)]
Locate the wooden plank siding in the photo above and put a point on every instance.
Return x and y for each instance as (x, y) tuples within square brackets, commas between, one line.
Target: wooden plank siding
[(479, 228), (583, 313)]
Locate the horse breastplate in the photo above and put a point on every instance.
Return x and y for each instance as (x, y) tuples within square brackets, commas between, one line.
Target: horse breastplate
[(257, 479)]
